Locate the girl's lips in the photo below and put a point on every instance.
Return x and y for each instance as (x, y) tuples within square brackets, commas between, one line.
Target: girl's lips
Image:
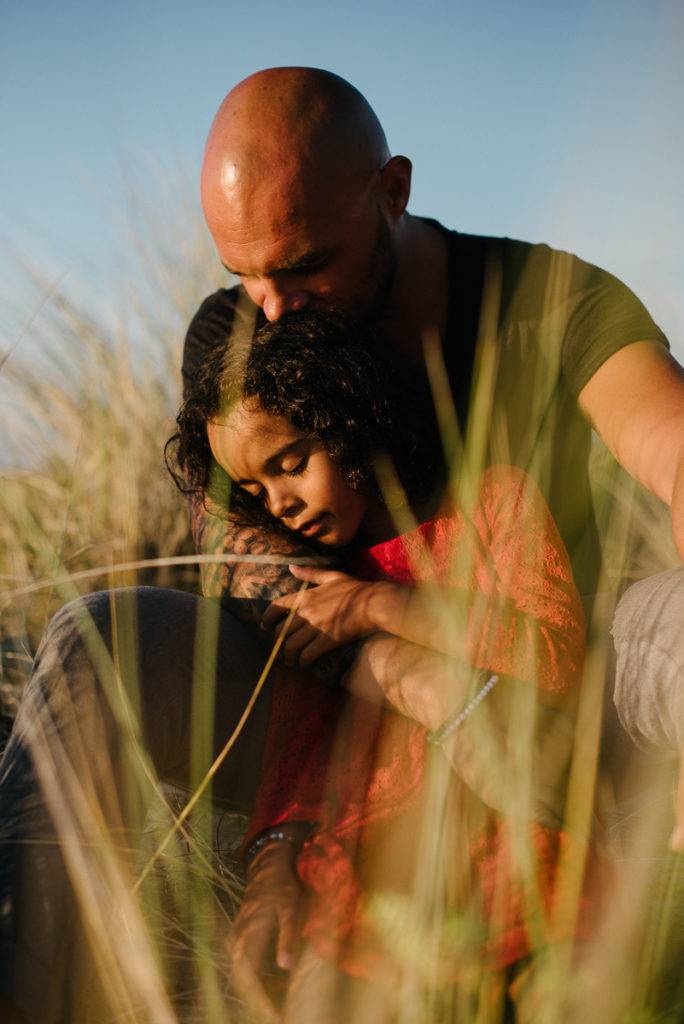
[(314, 526)]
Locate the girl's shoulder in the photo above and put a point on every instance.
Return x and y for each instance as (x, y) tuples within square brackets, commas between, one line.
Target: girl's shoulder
[(469, 514), (410, 556)]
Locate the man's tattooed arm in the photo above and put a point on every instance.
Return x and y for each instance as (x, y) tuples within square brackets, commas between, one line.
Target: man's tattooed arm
[(244, 586), (247, 588)]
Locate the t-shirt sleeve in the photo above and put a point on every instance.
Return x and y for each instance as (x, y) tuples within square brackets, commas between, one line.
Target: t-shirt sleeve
[(604, 316), (216, 318)]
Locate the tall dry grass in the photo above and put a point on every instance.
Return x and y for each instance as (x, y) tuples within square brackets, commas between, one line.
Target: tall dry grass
[(89, 387)]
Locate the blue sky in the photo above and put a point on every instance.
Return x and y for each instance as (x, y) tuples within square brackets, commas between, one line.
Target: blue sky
[(546, 121)]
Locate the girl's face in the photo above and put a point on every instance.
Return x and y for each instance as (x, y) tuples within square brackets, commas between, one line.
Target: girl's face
[(290, 472)]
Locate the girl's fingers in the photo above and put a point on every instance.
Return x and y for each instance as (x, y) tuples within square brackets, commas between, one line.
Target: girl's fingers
[(274, 614), (247, 953), (288, 936), (313, 574), (319, 645), (299, 636)]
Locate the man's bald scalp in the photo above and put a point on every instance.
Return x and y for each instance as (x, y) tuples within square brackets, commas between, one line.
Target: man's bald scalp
[(307, 118)]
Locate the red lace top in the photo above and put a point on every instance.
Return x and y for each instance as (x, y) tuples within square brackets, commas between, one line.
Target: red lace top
[(359, 772)]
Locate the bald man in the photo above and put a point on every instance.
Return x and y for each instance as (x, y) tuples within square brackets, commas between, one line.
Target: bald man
[(308, 208)]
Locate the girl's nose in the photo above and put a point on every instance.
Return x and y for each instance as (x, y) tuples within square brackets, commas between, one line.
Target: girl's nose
[(284, 506)]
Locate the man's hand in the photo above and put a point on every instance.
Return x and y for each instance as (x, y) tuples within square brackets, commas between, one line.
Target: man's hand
[(427, 687), (271, 908), (677, 510), (335, 612), (677, 837), (245, 586)]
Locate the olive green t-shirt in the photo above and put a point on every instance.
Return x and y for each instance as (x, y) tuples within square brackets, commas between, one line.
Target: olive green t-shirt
[(532, 325)]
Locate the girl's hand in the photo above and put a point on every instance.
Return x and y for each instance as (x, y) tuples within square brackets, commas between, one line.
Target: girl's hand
[(334, 612), (271, 908)]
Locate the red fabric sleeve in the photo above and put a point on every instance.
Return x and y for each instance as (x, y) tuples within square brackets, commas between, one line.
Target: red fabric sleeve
[(506, 558), (527, 620)]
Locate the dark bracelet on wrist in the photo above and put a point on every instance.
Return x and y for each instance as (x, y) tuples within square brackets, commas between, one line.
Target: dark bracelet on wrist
[(266, 838), (276, 835)]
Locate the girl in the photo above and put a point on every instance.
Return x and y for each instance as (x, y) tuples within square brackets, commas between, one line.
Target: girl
[(296, 432)]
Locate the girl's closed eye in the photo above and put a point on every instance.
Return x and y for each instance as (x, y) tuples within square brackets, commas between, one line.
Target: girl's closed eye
[(299, 467), (289, 474)]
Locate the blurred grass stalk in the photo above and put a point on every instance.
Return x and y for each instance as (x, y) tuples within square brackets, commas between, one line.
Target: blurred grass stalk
[(84, 487)]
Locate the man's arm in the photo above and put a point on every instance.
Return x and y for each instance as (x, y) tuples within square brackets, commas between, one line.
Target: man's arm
[(246, 587), (635, 400)]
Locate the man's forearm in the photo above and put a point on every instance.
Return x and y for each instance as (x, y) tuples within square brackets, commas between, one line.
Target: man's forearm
[(245, 585), (677, 507), (421, 684)]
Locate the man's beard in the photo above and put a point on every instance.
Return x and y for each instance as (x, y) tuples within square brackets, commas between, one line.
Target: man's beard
[(382, 269)]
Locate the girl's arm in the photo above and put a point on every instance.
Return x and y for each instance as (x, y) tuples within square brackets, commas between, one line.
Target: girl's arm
[(246, 585), (339, 609), (507, 601)]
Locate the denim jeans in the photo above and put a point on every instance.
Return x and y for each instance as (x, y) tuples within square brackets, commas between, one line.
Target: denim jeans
[(648, 633)]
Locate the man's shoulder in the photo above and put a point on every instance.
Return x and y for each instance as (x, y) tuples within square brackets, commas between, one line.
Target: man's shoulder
[(518, 257), (219, 315), (221, 299), (589, 312), (536, 277), (214, 315)]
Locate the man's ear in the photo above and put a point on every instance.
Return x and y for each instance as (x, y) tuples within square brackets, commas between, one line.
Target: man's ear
[(395, 179)]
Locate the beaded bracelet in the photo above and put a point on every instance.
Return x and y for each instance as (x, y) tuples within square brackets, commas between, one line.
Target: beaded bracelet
[(454, 721)]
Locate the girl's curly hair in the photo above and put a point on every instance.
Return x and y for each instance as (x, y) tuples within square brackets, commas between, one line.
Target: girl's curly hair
[(333, 380)]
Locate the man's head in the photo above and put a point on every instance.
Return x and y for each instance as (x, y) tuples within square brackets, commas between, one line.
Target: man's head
[(301, 195)]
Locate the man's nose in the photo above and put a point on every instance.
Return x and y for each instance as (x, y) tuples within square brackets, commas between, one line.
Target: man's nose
[(278, 300)]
